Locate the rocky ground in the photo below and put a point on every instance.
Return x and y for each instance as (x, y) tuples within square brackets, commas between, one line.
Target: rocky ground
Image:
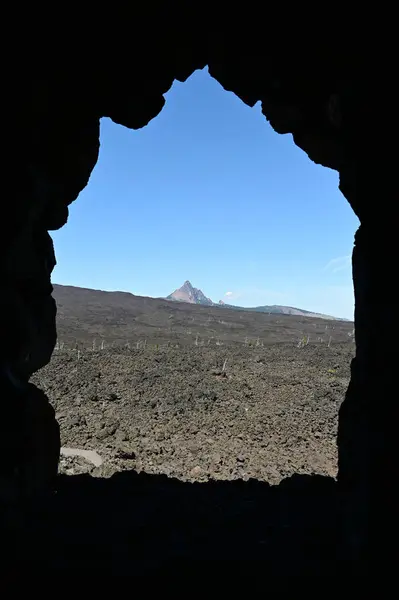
[(200, 413), (179, 448)]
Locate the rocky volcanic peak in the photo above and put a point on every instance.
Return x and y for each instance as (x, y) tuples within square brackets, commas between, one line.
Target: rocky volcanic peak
[(190, 294)]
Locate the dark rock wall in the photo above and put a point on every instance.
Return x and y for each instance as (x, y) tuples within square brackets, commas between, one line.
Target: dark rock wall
[(311, 88)]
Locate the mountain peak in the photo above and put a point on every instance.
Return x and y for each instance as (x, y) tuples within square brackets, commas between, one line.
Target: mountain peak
[(190, 294)]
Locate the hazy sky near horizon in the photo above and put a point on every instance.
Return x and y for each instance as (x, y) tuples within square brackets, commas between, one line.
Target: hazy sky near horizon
[(210, 193)]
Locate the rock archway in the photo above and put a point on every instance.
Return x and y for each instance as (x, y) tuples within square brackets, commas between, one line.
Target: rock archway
[(319, 93)]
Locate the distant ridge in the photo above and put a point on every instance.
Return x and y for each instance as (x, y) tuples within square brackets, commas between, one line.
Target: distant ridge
[(192, 295)]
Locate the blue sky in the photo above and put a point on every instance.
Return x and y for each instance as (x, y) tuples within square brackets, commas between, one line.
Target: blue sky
[(210, 193)]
